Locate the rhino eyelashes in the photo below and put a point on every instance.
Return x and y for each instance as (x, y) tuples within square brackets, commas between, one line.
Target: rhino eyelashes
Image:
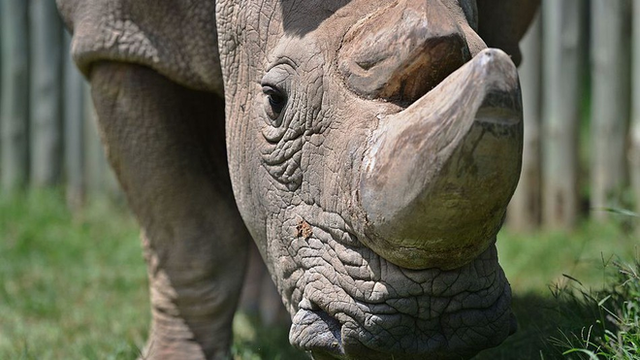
[(276, 84), (276, 98), (275, 102)]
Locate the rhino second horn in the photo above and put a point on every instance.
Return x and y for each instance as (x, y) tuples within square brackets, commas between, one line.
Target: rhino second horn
[(438, 175)]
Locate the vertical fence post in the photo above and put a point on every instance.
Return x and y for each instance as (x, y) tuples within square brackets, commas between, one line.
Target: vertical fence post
[(524, 209), (634, 149), (1, 87), (45, 93), (610, 103), (562, 39), (15, 94), (73, 129)]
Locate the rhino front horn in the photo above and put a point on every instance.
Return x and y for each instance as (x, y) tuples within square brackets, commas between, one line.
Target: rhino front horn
[(438, 175)]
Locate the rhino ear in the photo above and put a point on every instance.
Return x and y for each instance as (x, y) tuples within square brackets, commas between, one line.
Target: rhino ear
[(502, 23)]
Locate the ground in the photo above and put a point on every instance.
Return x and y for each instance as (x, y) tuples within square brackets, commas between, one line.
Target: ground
[(74, 285)]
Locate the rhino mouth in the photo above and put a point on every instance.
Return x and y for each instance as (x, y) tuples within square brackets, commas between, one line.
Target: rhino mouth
[(473, 313), (347, 302)]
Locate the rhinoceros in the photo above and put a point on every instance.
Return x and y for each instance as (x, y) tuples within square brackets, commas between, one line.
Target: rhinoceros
[(368, 147)]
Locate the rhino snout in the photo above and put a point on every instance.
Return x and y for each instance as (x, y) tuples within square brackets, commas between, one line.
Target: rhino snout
[(423, 314)]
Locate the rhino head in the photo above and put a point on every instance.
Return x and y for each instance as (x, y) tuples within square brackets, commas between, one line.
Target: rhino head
[(373, 147)]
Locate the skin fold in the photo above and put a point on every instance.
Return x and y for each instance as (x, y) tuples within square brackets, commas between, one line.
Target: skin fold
[(272, 120)]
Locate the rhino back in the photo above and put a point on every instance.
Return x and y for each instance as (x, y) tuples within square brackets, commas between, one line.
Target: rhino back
[(177, 38)]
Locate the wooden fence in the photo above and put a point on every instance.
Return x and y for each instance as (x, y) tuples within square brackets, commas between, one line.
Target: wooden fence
[(582, 128), (582, 135), (47, 129)]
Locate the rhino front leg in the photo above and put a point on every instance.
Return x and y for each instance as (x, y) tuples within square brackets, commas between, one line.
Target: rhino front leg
[(166, 144)]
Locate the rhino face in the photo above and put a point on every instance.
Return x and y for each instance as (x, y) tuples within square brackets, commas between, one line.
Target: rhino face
[(373, 147)]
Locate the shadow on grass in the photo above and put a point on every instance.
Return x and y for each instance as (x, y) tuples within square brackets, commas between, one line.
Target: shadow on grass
[(253, 341), (577, 323), (539, 320)]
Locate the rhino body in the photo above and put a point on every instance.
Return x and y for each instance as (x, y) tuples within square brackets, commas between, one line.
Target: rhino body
[(369, 148)]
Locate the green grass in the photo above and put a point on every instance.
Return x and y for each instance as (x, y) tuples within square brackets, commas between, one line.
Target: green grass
[(534, 261), (572, 321), (613, 331), (566, 285), (74, 287), (70, 286)]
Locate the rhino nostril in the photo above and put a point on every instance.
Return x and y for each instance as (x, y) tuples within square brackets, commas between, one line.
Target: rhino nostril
[(308, 305)]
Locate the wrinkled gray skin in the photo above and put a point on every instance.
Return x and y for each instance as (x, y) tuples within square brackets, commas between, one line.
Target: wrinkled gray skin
[(373, 199)]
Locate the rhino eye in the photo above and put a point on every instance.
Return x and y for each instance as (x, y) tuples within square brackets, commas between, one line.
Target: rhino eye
[(274, 103)]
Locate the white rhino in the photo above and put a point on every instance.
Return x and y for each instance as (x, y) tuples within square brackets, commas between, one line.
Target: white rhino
[(369, 147)]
